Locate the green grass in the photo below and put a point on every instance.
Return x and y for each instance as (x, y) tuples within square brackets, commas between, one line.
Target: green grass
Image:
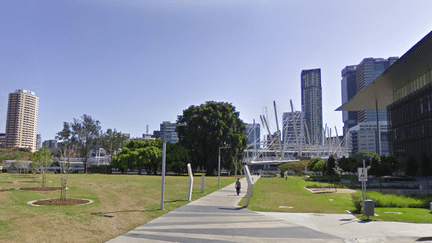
[(412, 215), (399, 201), (270, 193), (121, 203)]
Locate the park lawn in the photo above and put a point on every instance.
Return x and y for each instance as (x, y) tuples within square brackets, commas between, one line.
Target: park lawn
[(121, 203), (411, 215), (271, 193)]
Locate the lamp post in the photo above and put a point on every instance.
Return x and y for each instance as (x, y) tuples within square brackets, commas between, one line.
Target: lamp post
[(164, 164), (219, 162)]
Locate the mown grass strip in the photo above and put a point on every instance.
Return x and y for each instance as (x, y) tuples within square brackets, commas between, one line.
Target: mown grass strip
[(122, 202)]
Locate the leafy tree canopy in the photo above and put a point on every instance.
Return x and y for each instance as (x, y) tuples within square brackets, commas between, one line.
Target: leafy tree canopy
[(316, 165), (297, 167), (210, 126), (83, 133), (140, 155), (112, 141)]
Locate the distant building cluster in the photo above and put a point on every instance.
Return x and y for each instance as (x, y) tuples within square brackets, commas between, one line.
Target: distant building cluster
[(403, 92), (360, 126)]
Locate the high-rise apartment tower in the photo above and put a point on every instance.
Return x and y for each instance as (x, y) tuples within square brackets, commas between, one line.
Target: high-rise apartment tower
[(311, 93), (367, 71), (21, 122)]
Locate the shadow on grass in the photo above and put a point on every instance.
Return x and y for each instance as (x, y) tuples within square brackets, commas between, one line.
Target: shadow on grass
[(5, 190), (174, 201), (106, 214)]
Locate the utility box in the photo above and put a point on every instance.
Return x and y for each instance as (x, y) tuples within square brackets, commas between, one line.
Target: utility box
[(369, 207)]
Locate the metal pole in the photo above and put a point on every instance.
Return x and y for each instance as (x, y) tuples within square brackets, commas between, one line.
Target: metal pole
[(163, 174), (219, 167), (163, 168), (378, 129)]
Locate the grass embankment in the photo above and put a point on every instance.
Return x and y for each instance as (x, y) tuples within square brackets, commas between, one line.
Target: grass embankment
[(121, 203), (271, 193)]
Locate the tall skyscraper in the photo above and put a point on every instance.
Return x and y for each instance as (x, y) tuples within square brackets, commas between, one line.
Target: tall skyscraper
[(349, 90), (21, 122), (367, 71), (311, 93)]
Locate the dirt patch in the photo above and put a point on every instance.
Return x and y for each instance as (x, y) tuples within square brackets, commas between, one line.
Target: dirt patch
[(329, 190), (61, 202), (29, 181), (42, 189)]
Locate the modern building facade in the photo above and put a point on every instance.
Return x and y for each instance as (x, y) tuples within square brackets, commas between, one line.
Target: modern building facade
[(362, 138), (253, 131), (52, 143), (311, 94), (367, 71), (38, 141), (405, 90), (21, 122), (349, 90), (2, 140), (168, 132), (354, 79)]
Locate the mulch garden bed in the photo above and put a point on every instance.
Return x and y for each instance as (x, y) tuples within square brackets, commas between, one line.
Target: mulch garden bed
[(42, 189), (61, 202), (329, 190)]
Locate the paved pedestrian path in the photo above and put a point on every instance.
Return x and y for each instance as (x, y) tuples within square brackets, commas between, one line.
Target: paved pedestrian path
[(217, 218)]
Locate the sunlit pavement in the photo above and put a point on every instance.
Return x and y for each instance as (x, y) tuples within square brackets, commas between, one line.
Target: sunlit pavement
[(217, 218)]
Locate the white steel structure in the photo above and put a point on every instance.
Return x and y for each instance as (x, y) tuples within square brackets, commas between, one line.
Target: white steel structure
[(293, 142)]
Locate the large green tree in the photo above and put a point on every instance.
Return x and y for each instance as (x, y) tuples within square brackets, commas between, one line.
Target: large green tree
[(112, 141), (210, 126), (177, 158), (139, 155), (84, 133)]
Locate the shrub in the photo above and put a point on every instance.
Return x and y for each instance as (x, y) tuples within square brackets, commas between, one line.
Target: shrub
[(357, 201), (400, 201)]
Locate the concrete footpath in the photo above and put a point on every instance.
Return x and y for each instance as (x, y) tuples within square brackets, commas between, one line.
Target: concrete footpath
[(217, 218)]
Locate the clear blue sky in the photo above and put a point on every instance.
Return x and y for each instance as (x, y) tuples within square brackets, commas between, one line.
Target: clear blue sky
[(134, 63)]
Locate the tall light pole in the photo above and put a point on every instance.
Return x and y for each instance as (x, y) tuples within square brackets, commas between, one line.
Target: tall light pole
[(164, 164), (219, 163)]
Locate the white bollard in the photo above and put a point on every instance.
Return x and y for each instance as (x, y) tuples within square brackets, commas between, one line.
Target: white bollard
[(202, 183), (190, 181)]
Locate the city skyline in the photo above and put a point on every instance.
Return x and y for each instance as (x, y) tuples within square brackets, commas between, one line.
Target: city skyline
[(130, 64)]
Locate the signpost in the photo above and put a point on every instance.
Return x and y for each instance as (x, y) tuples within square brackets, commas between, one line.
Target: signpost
[(363, 177)]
